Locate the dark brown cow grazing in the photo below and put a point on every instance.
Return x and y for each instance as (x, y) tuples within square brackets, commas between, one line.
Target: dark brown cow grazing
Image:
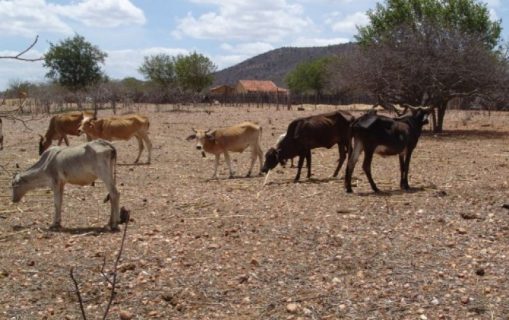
[(303, 134), (60, 126), (386, 136)]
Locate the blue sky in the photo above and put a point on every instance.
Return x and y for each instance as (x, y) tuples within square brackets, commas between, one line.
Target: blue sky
[(227, 31)]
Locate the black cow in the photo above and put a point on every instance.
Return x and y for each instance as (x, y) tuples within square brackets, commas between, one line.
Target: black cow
[(303, 134), (386, 136)]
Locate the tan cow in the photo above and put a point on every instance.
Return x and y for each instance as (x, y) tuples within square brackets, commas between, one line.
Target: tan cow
[(120, 128), (60, 126), (235, 138)]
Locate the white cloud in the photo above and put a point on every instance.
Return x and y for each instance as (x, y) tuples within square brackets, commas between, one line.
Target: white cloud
[(103, 13), (348, 24), (244, 20), (30, 17)]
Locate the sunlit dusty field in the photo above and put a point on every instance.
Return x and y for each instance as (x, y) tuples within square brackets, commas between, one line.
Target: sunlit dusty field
[(232, 249)]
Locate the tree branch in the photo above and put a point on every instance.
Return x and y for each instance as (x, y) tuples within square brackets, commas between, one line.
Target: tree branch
[(78, 293), (19, 55)]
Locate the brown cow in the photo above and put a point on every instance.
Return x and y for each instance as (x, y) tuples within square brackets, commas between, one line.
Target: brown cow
[(120, 128), (60, 126), (235, 138)]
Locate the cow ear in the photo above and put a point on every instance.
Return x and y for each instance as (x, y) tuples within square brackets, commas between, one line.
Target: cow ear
[(191, 137), (210, 137)]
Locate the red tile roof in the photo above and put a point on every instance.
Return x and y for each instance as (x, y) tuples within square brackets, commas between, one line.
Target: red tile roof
[(260, 86)]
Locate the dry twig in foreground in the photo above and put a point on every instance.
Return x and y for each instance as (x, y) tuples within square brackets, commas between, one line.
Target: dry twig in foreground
[(112, 281)]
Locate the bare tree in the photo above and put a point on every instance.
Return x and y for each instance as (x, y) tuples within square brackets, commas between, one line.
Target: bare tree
[(426, 68)]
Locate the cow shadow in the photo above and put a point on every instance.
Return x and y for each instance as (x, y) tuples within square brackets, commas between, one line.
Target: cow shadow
[(133, 164), (305, 181), (89, 231), (394, 192)]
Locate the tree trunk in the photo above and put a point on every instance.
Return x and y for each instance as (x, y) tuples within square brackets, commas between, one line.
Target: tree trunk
[(440, 117)]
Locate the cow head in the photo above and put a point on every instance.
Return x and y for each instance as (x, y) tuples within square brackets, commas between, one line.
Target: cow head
[(421, 115), (19, 188), (201, 137), (88, 125), (272, 158)]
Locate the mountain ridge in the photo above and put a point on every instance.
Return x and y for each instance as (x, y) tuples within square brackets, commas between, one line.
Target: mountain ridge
[(275, 64)]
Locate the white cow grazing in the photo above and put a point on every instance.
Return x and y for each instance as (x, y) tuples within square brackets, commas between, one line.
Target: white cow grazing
[(80, 165)]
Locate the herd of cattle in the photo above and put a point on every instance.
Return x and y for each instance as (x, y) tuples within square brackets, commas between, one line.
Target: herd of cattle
[(83, 164)]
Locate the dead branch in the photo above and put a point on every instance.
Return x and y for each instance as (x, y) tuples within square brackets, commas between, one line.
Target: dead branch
[(112, 282), (19, 55), (78, 293)]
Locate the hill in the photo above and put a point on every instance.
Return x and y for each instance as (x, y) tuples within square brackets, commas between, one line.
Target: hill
[(275, 64)]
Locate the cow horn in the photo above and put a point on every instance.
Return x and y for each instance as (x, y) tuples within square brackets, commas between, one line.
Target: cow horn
[(194, 130), (208, 130)]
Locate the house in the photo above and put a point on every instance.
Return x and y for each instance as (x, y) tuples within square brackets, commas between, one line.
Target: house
[(258, 86)]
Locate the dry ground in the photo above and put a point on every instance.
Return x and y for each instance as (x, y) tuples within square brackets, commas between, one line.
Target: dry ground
[(230, 249)]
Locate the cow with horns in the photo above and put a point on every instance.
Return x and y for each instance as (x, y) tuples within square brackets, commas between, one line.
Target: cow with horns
[(373, 133)]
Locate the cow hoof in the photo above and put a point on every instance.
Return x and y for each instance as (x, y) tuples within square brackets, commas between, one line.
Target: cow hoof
[(231, 176), (349, 190), (248, 174), (55, 227), (112, 228)]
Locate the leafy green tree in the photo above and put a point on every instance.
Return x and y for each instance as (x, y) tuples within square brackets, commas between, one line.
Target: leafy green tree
[(467, 16), (428, 52), (194, 72), (160, 69), (308, 77), (74, 63)]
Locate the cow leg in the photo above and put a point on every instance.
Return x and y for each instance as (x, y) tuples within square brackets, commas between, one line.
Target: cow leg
[(148, 143), (140, 148), (404, 178), (89, 138), (58, 193), (402, 170), (254, 154), (308, 163), (342, 158), (260, 158), (66, 140), (216, 164), (366, 166), (229, 163), (107, 175), (299, 167), (352, 160)]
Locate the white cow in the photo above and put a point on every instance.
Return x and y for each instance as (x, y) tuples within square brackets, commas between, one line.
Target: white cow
[(236, 138), (80, 165)]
